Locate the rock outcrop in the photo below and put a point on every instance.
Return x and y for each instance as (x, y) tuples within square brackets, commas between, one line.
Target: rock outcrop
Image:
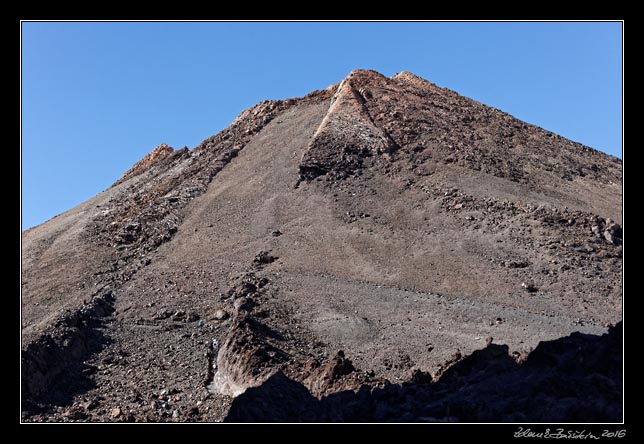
[(572, 379)]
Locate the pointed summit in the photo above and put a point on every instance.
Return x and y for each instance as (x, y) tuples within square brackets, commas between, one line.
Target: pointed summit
[(371, 116), (376, 230), (347, 133)]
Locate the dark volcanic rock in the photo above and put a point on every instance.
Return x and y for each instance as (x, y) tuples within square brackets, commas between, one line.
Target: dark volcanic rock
[(247, 357), (286, 399), (572, 379)]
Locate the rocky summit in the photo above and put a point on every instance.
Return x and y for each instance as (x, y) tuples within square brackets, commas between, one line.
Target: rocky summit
[(380, 250)]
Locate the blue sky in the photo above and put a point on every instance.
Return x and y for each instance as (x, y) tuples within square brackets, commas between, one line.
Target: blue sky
[(96, 97)]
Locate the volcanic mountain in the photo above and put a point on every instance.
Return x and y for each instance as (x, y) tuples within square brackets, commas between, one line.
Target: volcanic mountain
[(380, 250)]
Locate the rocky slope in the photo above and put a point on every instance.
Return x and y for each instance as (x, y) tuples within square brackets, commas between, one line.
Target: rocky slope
[(352, 238), (572, 379)]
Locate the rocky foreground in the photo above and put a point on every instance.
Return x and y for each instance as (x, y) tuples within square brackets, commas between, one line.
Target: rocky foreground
[(573, 379)]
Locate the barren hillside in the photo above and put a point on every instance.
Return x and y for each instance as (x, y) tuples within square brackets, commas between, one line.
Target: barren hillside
[(353, 239)]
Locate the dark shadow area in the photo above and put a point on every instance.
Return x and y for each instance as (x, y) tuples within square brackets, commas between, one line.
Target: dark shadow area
[(53, 368), (577, 378), (261, 329)]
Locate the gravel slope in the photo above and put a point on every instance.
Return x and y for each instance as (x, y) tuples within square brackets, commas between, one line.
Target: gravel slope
[(378, 241)]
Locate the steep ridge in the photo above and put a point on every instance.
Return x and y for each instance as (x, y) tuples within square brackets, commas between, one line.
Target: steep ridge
[(339, 238), (436, 127), (346, 135), (157, 155)]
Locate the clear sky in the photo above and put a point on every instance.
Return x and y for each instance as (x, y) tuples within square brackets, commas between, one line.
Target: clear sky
[(96, 97)]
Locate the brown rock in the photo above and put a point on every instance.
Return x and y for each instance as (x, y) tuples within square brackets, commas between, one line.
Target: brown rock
[(220, 315)]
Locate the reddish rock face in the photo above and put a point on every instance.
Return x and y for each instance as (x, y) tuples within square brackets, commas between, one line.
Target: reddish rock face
[(154, 157)]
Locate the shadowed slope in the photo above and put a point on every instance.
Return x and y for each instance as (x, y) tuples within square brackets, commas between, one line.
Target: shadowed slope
[(572, 379)]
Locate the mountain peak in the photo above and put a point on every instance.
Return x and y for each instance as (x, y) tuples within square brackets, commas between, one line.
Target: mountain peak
[(413, 79), (378, 230), (371, 117)]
